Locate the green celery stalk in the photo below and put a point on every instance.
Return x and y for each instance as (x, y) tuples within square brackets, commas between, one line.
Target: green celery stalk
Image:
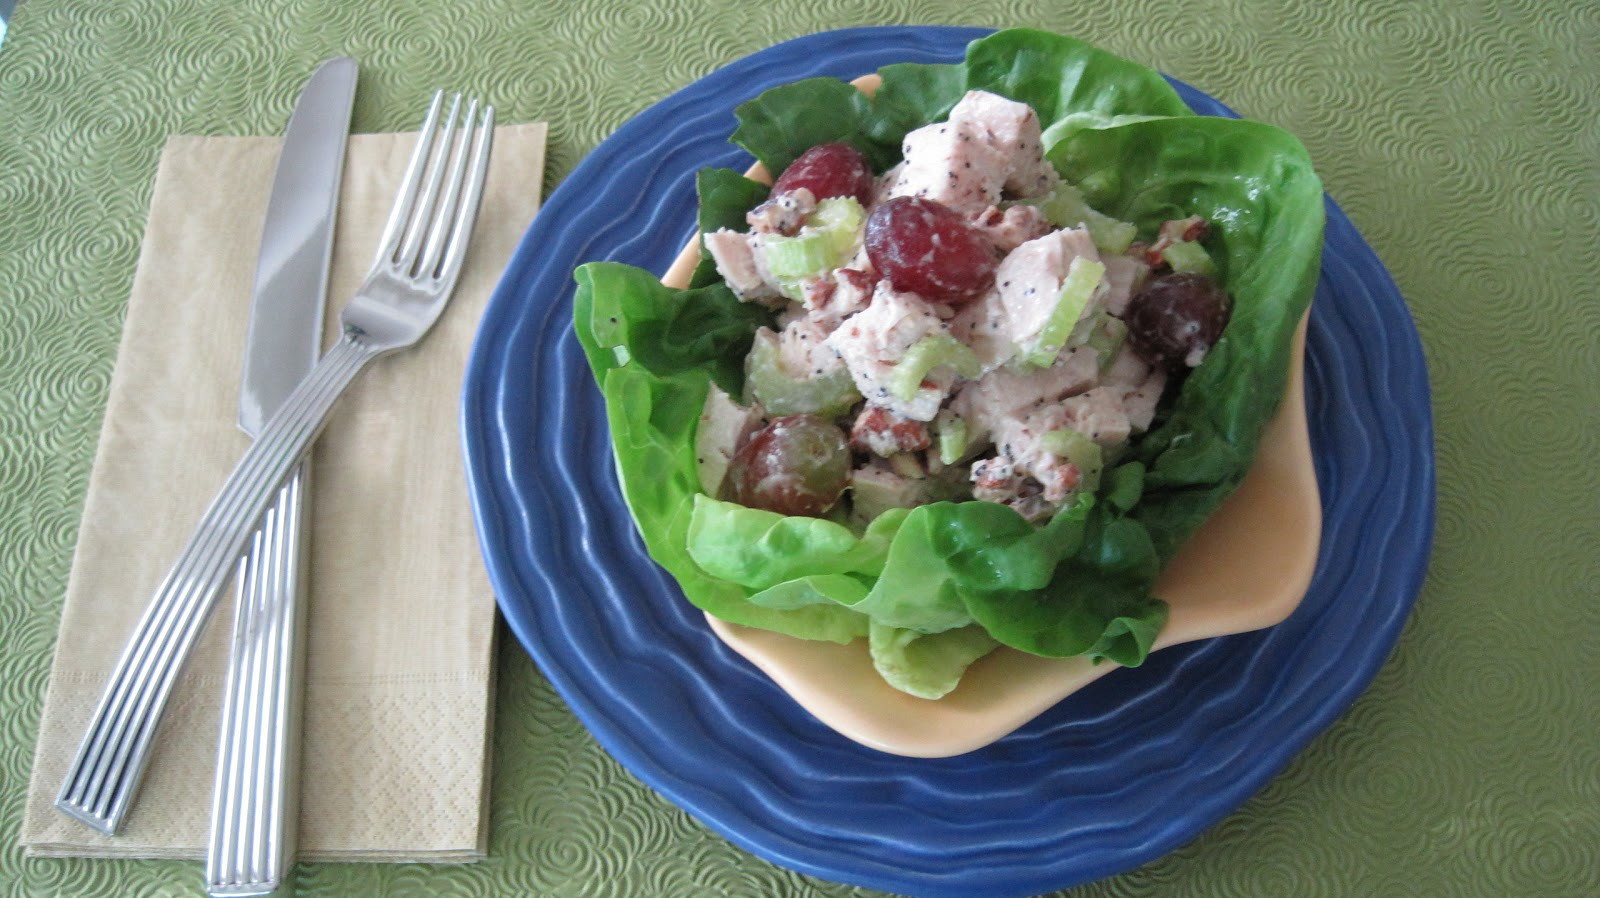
[(1083, 278), (932, 351)]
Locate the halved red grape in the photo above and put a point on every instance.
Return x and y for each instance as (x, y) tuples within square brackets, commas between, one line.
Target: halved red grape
[(827, 170), (1175, 319), (927, 248), (796, 465)]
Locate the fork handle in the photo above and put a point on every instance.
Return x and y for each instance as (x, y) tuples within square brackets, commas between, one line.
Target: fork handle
[(256, 791), (110, 763)]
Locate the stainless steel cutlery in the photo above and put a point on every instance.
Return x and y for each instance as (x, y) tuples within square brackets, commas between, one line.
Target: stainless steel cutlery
[(416, 270)]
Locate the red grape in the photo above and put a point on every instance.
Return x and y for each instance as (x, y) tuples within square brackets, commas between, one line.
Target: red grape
[(827, 170), (796, 465), (927, 248), (1176, 318)]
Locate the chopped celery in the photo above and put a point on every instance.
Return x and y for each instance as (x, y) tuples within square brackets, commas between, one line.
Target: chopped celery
[(1066, 208), (827, 239), (781, 393), (1111, 236), (928, 353), (1189, 256), (1082, 452), (841, 219), (1106, 338), (1083, 278), (803, 255), (954, 437)]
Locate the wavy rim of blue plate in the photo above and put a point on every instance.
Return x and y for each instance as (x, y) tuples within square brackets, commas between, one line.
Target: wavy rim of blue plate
[(1114, 776)]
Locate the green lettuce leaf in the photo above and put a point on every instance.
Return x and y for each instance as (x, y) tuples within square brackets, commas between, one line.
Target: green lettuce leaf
[(725, 196), (623, 314), (653, 399), (1097, 603), (926, 665), (1062, 78), (786, 121), (1255, 184), (935, 584), (760, 549)]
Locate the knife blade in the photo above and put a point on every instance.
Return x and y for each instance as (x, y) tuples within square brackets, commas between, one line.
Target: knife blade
[(291, 284), (255, 795)]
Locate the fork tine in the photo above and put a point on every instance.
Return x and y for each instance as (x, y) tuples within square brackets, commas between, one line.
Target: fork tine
[(440, 228), (422, 210), (467, 212), (394, 228)]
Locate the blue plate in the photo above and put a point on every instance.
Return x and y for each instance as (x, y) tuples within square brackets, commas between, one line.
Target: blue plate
[(1118, 774)]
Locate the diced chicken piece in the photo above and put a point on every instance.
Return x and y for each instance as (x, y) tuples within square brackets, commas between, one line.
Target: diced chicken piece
[(1023, 474), (782, 214), (1124, 275), (1097, 414), (736, 261), (1057, 478), (949, 164), (883, 433), (981, 325), (884, 187), (832, 299), (1029, 281), (876, 487), (1005, 394), (873, 340), (1126, 371), (1037, 481), (803, 351), (1140, 385), (1013, 227), (1012, 128), (724, 426), (1140, 403), (889, 325), (1019, 440), (989, 146)]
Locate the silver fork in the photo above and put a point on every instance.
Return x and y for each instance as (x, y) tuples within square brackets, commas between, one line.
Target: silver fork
[(419, 260)]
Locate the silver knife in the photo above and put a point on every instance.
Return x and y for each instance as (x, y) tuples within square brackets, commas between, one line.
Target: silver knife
[(255, 799)]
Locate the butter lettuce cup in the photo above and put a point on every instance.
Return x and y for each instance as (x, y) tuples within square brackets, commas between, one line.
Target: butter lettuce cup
[(934, 629)]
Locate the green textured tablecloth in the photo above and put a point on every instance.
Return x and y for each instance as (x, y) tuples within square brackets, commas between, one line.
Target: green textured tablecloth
[(1463, 140)]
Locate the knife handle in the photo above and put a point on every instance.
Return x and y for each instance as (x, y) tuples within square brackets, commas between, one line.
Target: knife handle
[(254, 805)]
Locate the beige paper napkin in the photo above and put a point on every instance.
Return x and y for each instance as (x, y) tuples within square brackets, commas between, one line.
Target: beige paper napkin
[(399, 655)]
